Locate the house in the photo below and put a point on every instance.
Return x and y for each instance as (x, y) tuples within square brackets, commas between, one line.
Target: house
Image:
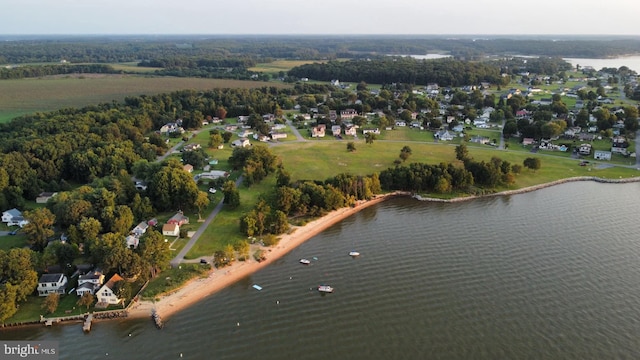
[(191, 147), (261, 137), (132, 241), (336, 130), (106, 295), (14, 217), (52, 284), (243, 119), (333, 116), (458, 128), (276, 135), (584, 149), (401, 123), (444, 135), (348, 114), (231, 127), (602, 155), (245, 133), (44, 197), (351, 130), (211, 175), (480, 139), (178, 219), (152, 222), (373, 131), (268, 118), (318, 131), (89, 282), (188, 168), (171, 230), (242, 142), (140, 229)]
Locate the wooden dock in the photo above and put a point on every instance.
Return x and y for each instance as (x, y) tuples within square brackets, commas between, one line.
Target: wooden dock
[(87, 323)]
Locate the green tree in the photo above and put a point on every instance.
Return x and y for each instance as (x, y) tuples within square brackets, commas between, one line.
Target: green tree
[(50, 303), (462, 153), (351, 146), (87, 299), (40, 227), (202, 201), (7, 301), (215, 140), (532, 163), (405, 152), (17, 268), (370, 138), (155, 252), (231, 194)]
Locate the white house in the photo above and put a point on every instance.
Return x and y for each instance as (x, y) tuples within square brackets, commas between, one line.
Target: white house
[(278, 135), (170, 229), (373, 131), (132, 241), (140, 228), (106, 294), (602, 155), (52, 284), (14, 217), (89, 282), (444, 135), (243, 142)]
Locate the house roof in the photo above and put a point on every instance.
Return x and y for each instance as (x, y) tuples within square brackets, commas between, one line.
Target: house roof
[(14, 212), (169, 227), (50, 278), (114, 279)]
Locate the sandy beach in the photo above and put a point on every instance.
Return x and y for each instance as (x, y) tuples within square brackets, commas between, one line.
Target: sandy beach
[(198, 289)]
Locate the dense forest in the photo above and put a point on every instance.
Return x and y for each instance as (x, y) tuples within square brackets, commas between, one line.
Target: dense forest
[(445, 72), (46, 151), (17, 50)]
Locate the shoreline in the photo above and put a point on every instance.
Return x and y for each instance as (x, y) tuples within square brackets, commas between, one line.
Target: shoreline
[(198, 289)]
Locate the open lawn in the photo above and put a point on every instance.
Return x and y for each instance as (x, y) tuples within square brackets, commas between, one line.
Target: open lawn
[(25, 96), (225, 228), (281, 65), (174, 278), (8, 242), (320, 160)]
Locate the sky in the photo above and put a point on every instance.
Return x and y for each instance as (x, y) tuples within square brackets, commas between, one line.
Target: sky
[(302, 17)]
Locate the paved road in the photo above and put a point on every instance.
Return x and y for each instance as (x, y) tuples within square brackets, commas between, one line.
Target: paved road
[(501, 146), (295, 131), (203, 226)]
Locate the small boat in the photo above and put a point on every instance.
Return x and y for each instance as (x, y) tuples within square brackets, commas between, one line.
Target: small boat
[(305, 261), (257, 287), (354, 253), (325, 289)]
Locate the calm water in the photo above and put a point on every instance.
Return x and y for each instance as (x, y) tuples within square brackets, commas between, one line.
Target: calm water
[(553, 274), (632, 62)]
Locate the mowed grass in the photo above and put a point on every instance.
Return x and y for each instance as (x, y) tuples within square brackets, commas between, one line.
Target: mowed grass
[(25, 96), (225, 228), (281, 65), (321, 160)]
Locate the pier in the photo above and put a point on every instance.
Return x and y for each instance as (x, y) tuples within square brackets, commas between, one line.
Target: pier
[(87, 323)]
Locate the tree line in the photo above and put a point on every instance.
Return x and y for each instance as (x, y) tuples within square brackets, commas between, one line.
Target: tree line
[(445, 72), (21, 72)]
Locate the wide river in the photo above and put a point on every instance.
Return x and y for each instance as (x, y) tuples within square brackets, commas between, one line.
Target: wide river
[(552, 274)]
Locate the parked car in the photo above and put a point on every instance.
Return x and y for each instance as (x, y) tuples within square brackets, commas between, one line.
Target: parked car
[(203, 261)]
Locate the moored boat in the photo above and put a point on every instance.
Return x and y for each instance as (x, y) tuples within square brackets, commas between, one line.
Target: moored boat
[(325, 289), (305, 261), (354, 253)]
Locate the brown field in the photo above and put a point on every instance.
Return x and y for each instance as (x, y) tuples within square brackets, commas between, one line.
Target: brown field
[(25, 96)]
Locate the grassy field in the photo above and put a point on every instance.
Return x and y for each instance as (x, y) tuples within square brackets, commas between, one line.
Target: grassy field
[(280, 65), (320, 160), (25, 96), (8, 242), (225, 227), (174, 278)]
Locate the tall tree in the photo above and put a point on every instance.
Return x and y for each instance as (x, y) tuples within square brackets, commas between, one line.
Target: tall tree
[(51, 302), (40, 227)]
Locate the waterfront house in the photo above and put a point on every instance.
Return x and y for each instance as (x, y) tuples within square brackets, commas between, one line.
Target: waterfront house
[(52, 284), (89, 282), (106, 295)]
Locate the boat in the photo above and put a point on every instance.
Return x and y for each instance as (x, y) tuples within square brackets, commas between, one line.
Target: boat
[(305, 261), (354, 253), (257, 287), (325, 289)]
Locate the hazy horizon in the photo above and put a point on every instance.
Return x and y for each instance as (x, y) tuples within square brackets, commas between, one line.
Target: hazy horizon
[(330, 17)]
